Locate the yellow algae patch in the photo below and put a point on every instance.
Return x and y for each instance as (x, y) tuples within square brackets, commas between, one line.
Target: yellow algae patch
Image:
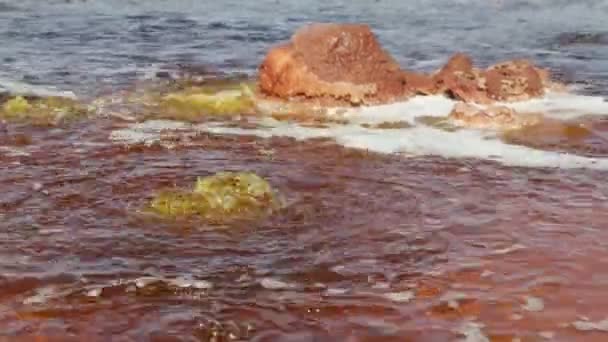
[(197, 102), (41, 111), (222, 197)]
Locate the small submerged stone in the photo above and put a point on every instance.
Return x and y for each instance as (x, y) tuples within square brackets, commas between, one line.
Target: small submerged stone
[(44, 111), (220, 197)]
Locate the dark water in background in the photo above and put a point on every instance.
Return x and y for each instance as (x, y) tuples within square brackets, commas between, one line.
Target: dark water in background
[(85, 45), (371, 247)]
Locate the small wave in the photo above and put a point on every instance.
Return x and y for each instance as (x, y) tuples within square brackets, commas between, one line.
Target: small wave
[(582, 38), (20, 88), (414, 140)]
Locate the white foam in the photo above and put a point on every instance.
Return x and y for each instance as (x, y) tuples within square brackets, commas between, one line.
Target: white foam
[(20, 88), (590, 326), (400, 297), (424, 140), (472, 332), (534, 304), (418, 140), (564, 106), (275, 284)]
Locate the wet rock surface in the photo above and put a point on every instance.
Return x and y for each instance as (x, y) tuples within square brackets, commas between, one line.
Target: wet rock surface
[(345, 64), (508, 81), (339, 62)]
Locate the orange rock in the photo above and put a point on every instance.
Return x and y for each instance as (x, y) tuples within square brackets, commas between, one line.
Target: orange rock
[(341, 62), (344, 64), (515, 80), (417, 83), (461, 80)]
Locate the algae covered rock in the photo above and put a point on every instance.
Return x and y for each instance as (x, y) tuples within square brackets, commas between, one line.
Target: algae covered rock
[(222, 197), (202, 101), (41, 111)]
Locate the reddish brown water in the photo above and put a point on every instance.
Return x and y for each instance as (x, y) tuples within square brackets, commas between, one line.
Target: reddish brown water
[(370, 247)]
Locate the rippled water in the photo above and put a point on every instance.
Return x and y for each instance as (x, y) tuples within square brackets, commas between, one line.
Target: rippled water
[(371, 247)]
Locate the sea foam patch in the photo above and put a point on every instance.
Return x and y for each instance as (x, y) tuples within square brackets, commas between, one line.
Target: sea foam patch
[(25, 89), (416, 140)]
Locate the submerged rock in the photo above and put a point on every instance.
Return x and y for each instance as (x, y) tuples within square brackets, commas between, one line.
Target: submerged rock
[(341, 63), (42, 110), (222, 197), (491, 117)]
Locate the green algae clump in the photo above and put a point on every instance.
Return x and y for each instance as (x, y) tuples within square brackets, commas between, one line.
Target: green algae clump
[(193, 103), (47, 111), (222, 197)]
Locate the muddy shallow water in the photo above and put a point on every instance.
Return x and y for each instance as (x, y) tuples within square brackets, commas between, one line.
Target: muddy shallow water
[(370, 247)]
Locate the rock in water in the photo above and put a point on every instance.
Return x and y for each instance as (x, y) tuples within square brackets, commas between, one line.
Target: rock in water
[(515, 80), (222, 197), (335, 63), (43, 111), (491, 117), (461, 80), (509, 81)]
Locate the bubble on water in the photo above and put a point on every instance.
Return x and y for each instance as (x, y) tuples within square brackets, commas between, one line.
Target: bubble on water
[(190, 283), (534, 304), (590, 326), (336, 291), (381, 285), (400, 297), (202, 284), (142, 282), (42, 296), (487, 273), (275, 284), (94, 292)]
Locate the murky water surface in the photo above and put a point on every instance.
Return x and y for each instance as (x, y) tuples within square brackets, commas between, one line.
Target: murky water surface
[(370, 247)]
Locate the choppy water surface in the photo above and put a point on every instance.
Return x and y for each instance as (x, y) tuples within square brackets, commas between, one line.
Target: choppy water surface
[(456, 238)]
